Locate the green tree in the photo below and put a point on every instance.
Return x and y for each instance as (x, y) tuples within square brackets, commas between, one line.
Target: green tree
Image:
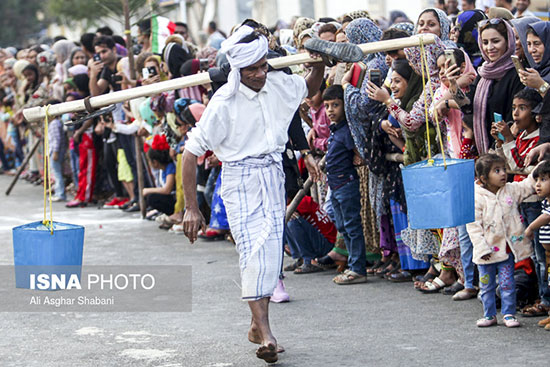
[(90, 11), (19, 21)]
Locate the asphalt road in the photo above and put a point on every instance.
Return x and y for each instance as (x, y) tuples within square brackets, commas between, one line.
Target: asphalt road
[(373, 324)]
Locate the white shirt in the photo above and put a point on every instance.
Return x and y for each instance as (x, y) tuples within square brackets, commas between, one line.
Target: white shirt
[(249, 124)]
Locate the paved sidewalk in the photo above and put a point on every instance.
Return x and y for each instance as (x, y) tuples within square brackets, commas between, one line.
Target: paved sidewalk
[(373, 324)]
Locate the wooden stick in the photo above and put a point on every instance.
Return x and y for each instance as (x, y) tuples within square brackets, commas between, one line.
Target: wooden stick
[(38, 113), (300, 195), (23, 165)]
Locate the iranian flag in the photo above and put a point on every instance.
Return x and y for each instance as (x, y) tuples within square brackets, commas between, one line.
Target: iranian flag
[(161, 29)]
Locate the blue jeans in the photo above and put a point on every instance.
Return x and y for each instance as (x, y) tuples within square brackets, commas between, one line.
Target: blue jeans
[(530, 212), (75, 164), (5, 164), (347, 215), (488, 285), (211, 184), (57, 168), (466, 253), (306, 241)]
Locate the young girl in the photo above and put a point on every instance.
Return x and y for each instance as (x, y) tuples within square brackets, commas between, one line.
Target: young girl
[(497, 236), (163, 196)]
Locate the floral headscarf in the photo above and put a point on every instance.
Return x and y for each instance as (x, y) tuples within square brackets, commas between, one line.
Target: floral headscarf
[(364, 30), (444, 24), (433, 51), (301, 25), (356, 14), (405, 26)]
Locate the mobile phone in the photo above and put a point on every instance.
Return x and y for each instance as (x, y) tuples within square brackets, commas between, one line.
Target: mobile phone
[(497, 117), (204, 63), (145, 73), (152, 71), (450, 55), (517, 63), (97, 57), (376, 77)]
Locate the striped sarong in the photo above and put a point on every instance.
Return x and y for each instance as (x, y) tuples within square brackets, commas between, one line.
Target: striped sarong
[(254, 197)]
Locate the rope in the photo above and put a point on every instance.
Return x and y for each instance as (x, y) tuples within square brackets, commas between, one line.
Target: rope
[(47, 174), (424, 65)]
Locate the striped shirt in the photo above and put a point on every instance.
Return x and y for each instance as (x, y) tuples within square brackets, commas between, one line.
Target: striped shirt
[(544, 231)]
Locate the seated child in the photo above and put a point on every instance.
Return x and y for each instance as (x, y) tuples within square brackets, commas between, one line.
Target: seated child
[(344, 183), (163, 196), (498, 236)]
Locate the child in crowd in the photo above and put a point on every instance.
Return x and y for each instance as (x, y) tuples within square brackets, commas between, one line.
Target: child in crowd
[(318, 135), (498, 236), (57, 141), (542, 176), (343, 180), (162, 197), (515, 150)]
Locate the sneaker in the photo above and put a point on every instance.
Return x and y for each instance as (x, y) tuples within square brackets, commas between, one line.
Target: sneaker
[(511, 321), (280, 294), (58, 198), (487, 321), (113, 204)]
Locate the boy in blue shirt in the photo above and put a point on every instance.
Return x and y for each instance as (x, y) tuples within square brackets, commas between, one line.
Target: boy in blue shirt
[(344, 184)]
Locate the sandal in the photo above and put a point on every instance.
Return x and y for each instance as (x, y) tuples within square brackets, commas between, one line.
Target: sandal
[(375, 267), (433, 287), (535, 310), (332, 52), (452, 289), (176, 229), (295, 265), (307, 268), (401, 276), (386, 269), (349, 277)]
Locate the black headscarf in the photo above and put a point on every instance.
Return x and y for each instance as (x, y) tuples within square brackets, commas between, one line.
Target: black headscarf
[(467, 37), (82, 84), (174, 56), (402, 67), (542, 29)]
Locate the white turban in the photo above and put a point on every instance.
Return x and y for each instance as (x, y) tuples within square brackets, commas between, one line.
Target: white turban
[(241, 55)]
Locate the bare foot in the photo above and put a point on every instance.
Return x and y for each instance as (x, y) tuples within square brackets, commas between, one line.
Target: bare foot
[(336, 256), (176, 217), (254, 337), (268, 352)]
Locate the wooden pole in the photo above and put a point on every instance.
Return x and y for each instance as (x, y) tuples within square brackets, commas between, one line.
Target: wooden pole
[(137, 139), (300, 195), (23, 165), (38, 113)]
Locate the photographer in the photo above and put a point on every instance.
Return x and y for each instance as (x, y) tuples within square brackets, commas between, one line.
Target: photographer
[(103, 67)]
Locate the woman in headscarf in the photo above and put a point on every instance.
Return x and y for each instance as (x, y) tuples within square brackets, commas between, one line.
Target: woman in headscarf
[(62, 50), (361, 111), (498, 81), (301, 25), (174, 56), (435, 21), (466, 24), (520, 26), (411, 115)]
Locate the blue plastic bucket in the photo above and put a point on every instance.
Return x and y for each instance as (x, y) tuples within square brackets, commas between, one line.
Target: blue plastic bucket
[(438, 197), (36, 250)]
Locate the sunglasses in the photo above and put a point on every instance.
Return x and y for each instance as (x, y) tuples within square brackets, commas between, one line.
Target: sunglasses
[(486, 22)]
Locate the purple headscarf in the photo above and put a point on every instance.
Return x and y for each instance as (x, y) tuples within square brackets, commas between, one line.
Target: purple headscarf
[(490, 71)]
